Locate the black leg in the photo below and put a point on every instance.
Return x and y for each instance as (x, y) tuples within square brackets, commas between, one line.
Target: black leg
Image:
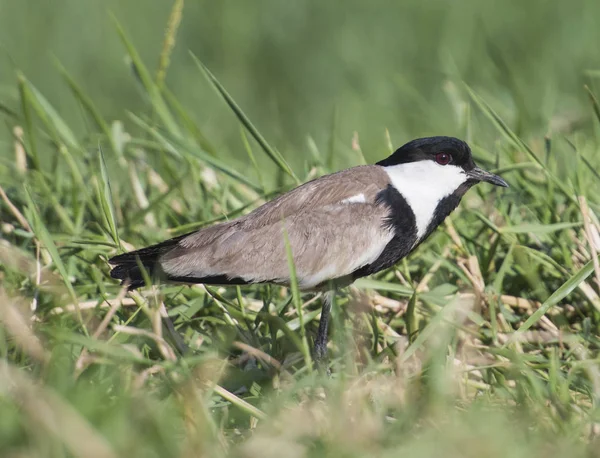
[(321, 340)]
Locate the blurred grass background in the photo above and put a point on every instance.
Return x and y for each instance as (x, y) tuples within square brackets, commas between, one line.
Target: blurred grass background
[(290, 66), (483, 343)]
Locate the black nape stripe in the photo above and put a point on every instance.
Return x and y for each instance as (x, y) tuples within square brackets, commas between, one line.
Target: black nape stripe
[(443, 209), (402, 222)]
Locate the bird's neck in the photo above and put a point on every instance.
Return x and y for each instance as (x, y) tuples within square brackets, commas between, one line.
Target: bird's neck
[(429, 190)]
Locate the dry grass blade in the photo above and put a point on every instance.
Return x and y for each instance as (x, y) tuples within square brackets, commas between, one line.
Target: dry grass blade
[(587, 221), (88, 305), (20, 154), (164, 348), (169, 41), (140, 195), (471, 269), (114, 306), (15, 211), (423, 284), (237, 401), (13, 319), (258, 354)]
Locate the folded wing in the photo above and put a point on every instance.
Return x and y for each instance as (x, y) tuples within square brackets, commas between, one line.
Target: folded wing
[(334, 226)]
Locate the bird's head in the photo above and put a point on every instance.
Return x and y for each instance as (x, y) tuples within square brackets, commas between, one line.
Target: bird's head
[(432, 174), (443, 163)]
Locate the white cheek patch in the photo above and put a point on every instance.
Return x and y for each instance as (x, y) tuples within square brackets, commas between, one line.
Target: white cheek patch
[(357, 199), (423, 184)]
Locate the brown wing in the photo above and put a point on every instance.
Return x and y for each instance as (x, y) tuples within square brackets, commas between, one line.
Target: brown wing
[(328, 242), (367, 180), (329, 224)]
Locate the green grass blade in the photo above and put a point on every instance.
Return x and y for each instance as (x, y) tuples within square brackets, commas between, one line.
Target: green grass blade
[(559, 295), (538, 228), (61, 212), (368, 283), (296, 299), (88, 105), (504, 268), (275, 156), (189, 124), (198, 153), (594, 101), (412, 323), (501, 125), (248, 149), (590, 166), (432, 327), (50, 116), (333, 131), (41, 232), (8, 111), (503, 128), (78, 178), (154, 93), (115, 352), (105, 196)]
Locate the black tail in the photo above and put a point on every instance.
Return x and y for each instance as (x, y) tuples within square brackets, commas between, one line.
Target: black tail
[(127, 265)]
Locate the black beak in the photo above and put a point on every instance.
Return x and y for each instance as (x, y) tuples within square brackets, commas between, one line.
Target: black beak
[(481, 175)]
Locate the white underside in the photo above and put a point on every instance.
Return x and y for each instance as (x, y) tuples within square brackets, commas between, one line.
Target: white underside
[(423, 184), (379, 241)]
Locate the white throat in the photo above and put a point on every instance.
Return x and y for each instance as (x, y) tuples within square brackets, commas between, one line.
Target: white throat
[(423, 184)]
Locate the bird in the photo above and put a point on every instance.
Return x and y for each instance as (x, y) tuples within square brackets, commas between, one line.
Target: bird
[(340, 227)]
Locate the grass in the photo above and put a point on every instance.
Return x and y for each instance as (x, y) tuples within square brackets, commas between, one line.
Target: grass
[(483, 343)]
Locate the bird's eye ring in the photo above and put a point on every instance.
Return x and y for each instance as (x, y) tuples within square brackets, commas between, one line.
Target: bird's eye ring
[(443, 158)]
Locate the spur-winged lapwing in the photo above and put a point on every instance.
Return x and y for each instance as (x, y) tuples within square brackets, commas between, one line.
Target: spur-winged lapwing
[(339, 227)]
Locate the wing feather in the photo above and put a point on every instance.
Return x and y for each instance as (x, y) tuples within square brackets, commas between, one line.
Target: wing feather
[(335, 225), (327, 243)]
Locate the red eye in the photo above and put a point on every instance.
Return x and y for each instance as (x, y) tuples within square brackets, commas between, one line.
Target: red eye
[(443, 158)]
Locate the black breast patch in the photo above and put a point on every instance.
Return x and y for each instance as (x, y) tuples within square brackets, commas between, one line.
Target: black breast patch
[(401, 221), (443, 209)]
